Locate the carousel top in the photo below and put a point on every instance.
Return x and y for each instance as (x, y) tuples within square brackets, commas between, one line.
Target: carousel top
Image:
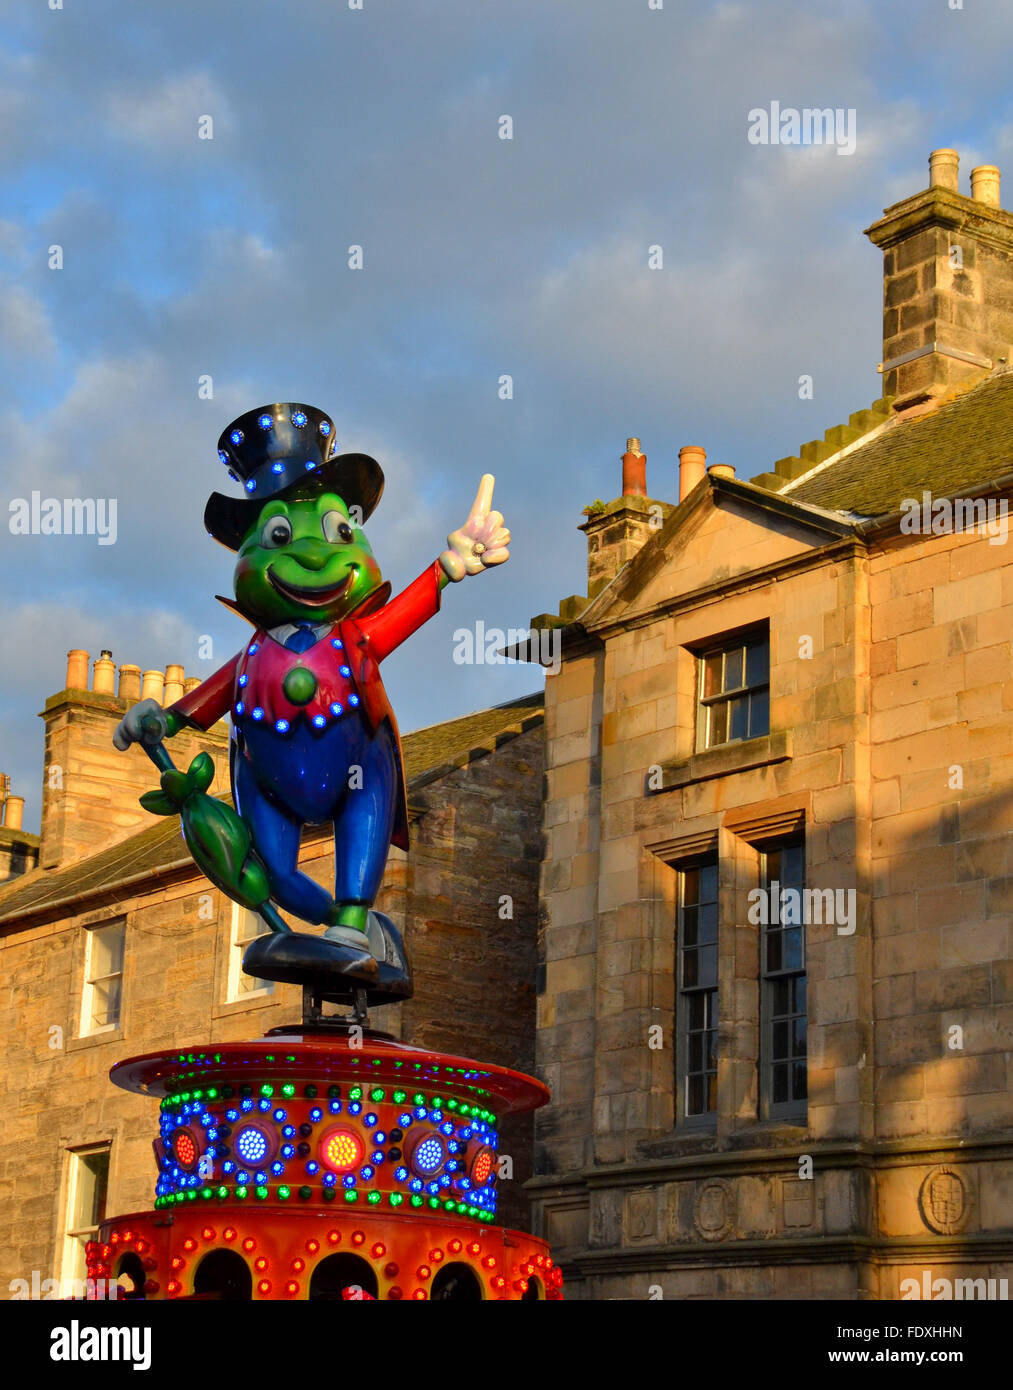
[(350, 1053), (304, 1118)]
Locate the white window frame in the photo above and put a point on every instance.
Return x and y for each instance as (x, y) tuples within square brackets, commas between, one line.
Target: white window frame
[(73, 1263), (240, 937), (86, 1029)]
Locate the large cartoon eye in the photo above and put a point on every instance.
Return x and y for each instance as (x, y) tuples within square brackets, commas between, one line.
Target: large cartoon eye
[(336, 528), (277, 531)]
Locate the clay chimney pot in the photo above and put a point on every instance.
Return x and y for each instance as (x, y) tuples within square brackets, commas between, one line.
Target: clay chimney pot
[(173, 684), (634, 470), (692, 466), (152, 684), (944, 169), (77, 669), (130, 683), (985, 185), (104, 680)]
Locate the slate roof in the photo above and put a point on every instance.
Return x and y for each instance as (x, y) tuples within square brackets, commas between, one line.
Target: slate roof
[(965, 442), (429, 754)]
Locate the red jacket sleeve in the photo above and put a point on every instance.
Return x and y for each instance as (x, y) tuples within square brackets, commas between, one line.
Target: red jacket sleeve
[(402, 616), (211, 700)]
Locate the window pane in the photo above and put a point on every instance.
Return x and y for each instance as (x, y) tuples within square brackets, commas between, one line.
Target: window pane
[(793, 949), (707, 965), (691, 885), (106, 951), (759, 713), (793, 864), (798, 1040), (800, 1088), (695, 1095), (689, 969), (712, 1093), (712, 674), (758, 663), (779, 1089), (697, 1011), (105, 1002), (718, 716), (707, 924), (774, 954), (695, 1051), (780, 1042), (708, 883), (733, 669), (689, 925), (780, 992), (738, 721), (799, 992), (90, 1196)]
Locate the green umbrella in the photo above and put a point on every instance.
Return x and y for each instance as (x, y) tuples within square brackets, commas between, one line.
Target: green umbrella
[(215, 835)]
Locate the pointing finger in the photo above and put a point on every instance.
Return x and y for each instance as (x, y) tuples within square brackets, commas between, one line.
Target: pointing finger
[(483, 497)]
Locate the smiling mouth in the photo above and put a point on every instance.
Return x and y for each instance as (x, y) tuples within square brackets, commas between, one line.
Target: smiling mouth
[(310, 595)]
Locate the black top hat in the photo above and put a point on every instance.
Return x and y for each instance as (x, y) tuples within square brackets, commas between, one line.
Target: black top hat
[(277, 449)]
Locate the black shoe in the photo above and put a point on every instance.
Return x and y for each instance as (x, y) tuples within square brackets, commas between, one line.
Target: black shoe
[(395, 974), (297, 959)]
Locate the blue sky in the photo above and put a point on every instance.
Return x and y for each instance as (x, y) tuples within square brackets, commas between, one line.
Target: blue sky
[(228, 257)]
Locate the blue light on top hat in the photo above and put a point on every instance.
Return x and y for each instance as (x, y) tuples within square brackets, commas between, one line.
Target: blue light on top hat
[(274, 447)]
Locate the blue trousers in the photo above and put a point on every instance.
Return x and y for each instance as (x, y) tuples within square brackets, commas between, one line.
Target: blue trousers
[(282, 782)]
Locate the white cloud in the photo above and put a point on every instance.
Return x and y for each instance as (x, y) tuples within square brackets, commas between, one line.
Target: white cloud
[(25, 329), (165, 116)]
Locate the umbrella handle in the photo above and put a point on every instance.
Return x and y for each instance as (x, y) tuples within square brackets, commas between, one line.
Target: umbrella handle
[(156, 751)]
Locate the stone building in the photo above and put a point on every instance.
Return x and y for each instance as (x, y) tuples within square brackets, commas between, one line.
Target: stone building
[(115, 945), (798, 684)]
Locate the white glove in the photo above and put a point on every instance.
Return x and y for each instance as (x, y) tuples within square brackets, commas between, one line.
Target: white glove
[(129, 729), (483, 540)]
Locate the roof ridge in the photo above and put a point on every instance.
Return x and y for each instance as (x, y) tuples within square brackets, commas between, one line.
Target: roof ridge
[(837, 441), (536, 697)]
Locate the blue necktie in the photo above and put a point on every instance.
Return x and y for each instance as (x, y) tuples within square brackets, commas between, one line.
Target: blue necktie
[(302, 639)]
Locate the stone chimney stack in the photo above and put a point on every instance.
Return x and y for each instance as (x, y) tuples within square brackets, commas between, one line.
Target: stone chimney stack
[(616, 530), (90, 790), (947, 283), (19, 850)]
